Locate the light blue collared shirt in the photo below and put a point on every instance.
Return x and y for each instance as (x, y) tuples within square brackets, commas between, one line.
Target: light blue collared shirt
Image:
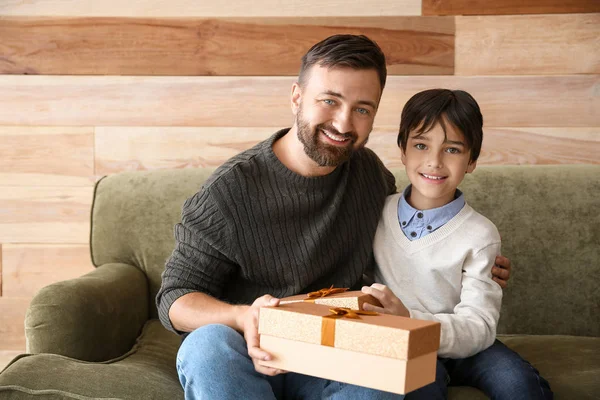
[(418, 223)]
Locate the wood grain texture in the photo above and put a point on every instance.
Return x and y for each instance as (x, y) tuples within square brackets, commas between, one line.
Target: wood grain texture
[(45, 214), (224, 46), (504, 7), (121, 149), (195, 8), (513, 146), (12, 322), (528, 44), (1, 270), (551, 101), (30, 267), (46, 156)]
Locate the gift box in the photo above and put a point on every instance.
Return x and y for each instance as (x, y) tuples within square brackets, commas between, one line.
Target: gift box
[(334, 297), (379, 351)]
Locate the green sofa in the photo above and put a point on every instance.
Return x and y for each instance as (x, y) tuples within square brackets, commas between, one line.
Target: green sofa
[(98, 336)]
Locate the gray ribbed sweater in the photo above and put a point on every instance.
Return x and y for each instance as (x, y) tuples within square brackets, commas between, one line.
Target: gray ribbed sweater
[(256, 228)]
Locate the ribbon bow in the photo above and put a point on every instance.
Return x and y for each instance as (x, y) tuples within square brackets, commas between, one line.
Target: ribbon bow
[(343, 312), (328, 325), (325, 292)]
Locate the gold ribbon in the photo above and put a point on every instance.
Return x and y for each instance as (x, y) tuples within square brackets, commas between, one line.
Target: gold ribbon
[(312, 296), (328, 325)]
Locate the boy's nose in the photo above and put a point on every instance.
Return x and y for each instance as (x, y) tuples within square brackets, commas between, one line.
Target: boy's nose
[(434, 160)]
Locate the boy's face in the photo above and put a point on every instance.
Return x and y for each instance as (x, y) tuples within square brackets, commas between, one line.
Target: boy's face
[(436, 164), (335, 112)]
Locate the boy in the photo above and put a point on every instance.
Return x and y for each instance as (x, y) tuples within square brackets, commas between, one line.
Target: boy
[(435, 252)]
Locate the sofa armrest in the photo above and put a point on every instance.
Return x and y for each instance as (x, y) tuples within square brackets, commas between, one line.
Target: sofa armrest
[(95, 317)]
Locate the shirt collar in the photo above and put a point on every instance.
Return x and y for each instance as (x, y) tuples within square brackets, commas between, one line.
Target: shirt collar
[(435, 217)]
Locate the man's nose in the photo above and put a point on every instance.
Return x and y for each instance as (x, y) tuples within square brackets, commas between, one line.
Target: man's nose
[(343, 121)]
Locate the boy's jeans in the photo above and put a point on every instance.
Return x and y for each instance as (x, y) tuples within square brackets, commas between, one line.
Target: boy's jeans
[(213, 364), (497, 371)]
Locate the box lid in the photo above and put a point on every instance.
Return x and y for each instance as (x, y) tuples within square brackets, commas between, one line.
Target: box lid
[(382, 334)]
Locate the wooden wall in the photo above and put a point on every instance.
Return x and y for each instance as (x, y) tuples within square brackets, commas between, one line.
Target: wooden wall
[(89, 88)]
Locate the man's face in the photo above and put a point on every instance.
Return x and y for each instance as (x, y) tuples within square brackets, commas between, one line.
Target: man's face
[(436, 164), (335, 111)]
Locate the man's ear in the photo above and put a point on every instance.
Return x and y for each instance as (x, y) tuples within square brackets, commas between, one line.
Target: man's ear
[(296, 97), (471, 167)]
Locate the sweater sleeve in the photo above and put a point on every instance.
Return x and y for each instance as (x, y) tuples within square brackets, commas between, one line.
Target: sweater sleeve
[(471, 327), (200, 260)]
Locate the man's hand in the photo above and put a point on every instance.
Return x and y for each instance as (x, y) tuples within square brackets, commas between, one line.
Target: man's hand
[(391, 304), (501, 271), (248, 324)]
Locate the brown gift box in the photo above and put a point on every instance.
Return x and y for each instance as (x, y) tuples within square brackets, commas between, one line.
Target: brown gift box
[(384, 352), (353, 299)]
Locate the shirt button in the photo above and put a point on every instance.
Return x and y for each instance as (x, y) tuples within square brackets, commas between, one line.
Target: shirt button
[(403, 223), (428, 227), (420, 215), (413, 234)]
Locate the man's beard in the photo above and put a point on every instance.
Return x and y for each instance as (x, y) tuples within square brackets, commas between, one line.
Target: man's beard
[(324, 155)]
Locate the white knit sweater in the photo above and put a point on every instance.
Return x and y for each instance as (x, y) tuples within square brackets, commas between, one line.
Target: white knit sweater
[(444, 276)]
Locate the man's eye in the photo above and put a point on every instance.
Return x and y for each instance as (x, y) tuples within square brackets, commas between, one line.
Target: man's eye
[(363, 111), (329, 102), (420, 146)]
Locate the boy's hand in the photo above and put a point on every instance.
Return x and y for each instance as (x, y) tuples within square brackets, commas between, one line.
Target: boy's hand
[(391, 304), (249, 326), (501, 271)]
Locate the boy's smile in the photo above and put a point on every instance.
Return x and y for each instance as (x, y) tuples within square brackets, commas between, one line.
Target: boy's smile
[(436, 163)]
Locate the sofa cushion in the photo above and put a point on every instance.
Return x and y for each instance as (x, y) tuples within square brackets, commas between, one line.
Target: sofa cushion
[(571, 364), (146, 372)]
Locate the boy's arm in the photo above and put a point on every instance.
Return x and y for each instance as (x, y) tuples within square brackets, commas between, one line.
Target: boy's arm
[(471, 327)]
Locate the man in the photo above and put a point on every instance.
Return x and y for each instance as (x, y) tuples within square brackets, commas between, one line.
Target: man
[(295, 213)]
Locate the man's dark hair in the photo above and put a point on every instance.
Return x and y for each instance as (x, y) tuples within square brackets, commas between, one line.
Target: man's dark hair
[(421, 113), (352, 51)]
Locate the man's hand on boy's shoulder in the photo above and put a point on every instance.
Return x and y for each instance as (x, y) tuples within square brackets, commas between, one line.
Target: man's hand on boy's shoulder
[(501, 271), (390, 302)]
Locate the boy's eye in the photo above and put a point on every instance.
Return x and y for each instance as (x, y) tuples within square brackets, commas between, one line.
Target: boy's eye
[(453, 150), (420, 146)]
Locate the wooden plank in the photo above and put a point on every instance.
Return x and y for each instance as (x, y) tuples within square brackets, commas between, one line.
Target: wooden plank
[(195, 8), (505, 7), (224, 46), (528, 44), (141, 148), (46, 156), (522, 101), (512, 146), (1, 270), (45, 214), (12, 322), (144, 148), (30, 267)]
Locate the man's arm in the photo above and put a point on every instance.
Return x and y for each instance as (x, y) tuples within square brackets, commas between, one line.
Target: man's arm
[(196, 309)]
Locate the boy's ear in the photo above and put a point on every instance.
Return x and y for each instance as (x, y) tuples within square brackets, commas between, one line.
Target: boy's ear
[(402, 156), (296, 97), (471, 167)]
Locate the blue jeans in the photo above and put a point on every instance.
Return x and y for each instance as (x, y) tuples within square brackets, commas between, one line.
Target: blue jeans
[(213, 364), (497, 371)]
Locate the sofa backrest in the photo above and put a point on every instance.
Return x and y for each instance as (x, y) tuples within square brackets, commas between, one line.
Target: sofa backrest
[(548, 217)]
